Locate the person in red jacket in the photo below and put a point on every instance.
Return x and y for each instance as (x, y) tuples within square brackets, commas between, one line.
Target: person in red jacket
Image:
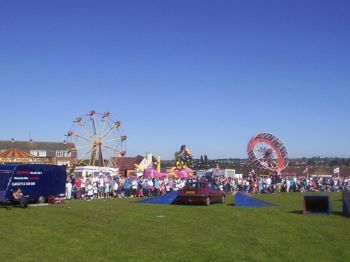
[(78, 188)]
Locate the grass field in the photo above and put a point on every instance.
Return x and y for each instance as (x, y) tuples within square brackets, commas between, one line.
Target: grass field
[(123, 230)]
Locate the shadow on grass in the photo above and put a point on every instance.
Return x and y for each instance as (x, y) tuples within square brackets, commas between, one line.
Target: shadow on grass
[(338, 213), (194, 204), (299, 212), (9, 207)]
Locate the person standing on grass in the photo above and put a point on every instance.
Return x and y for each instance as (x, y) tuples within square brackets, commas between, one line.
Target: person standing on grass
[(127, 188), (254, 186), (139, 191), (111, 186), (68, 189), (77, 188), (171, 185), (115, 188), (146, 189), (162, 188), (89, 189), (101, 184), (156, 187), (268, 182), (278, 184), (107, 189), (95, 188), (287, 184), (121, 193), (133, 186)]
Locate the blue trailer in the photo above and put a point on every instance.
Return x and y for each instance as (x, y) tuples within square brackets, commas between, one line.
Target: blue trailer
[(37, 182)]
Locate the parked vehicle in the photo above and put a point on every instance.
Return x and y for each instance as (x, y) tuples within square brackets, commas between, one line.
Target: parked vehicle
[(94, 171), (36, 181), (204, 192)]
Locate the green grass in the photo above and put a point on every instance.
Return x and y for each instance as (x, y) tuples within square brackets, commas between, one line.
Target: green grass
[(120, 229)]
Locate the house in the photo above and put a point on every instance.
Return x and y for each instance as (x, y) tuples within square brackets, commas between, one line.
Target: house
[(56, 153)]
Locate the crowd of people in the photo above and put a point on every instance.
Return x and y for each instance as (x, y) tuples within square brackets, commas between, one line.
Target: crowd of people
[(277, 184), (104, 186)]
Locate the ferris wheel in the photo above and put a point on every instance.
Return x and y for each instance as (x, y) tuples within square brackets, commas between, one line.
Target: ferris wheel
[(97, 139), (266, 151)]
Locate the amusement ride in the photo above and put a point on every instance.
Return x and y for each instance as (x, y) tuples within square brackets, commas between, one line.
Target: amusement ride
[(98, 139), (267, 152)]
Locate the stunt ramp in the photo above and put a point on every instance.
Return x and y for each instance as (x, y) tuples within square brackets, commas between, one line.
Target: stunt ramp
[(168, 198), (246, 200)]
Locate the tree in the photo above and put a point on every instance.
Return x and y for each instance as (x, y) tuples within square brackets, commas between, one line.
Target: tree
[(311, 162), (201, 163), (177, 155), (205, 162)]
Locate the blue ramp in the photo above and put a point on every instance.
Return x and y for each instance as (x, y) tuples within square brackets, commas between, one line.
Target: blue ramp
[(245, 200), (165, 199)]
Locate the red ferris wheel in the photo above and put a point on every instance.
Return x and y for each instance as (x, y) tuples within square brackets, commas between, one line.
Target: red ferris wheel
[(266, 151)]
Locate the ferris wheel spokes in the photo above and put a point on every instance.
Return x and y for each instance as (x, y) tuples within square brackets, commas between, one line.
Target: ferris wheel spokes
[(81, 160), (82, 124), (109, 132), (104, 119), (83, 138), (96, 137), (82, 147)]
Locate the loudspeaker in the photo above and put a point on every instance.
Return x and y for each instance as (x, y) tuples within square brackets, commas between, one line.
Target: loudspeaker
[(346, 203), (316, 204)]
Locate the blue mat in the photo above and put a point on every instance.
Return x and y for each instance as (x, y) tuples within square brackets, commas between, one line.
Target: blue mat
[(246, 200), (165, 199)]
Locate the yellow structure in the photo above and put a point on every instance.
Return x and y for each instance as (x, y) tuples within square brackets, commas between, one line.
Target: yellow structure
[(139, 168), (158, 163)]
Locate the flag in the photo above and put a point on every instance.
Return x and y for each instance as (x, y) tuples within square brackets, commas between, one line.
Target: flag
[(306, 170), (336, 170), (217, 169)]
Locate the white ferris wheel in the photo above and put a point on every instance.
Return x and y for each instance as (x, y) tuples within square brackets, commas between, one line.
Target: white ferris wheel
[(97, 139)]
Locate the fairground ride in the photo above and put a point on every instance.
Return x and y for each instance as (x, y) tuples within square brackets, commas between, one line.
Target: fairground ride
[(98, 139), (267, 152)]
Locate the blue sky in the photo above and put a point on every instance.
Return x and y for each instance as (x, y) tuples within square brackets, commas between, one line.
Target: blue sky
[(208, 74)]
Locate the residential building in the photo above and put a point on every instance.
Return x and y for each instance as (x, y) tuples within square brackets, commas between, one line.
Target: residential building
[(56, 153)]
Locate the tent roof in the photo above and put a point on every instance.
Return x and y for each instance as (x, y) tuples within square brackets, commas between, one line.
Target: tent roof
[(15, 153)]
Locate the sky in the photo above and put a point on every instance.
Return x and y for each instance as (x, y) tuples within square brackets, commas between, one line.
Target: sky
[(208, 74)]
